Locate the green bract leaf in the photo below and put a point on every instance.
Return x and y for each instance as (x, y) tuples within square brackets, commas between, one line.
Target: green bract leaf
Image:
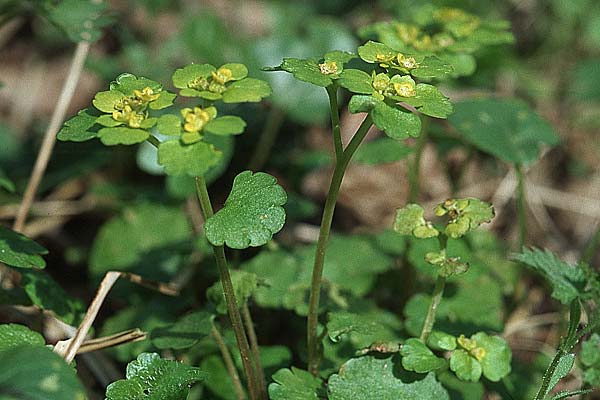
[(356, 81), (77, 129), (164, 100), (381, 151), (182, 77), (397, 123), (81, 20), (409, 221), (567, 280), (150, 377), (193, 160), (294, 384), (448, 266), (122, 135), (315, 72), (45, 293), (37, 373), (507, 129), (441, 341), (431, 101), (247, 90), (252, 214), (496, 360), (169, 125), (466, 367), (565, 364), (228, 125), (19, 251), (365, 328), (184, 333), (373, 378), (418, 358), (127, 84), (466, 215), (14, 335), (105, 101), (244, 285)]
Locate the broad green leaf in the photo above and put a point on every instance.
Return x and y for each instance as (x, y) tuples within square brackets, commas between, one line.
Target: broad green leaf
[(252, 214), (565, 364), (373, 378), (496, 361), (169, 124), (193, 160), (81, 20), (418, 358), (184, 333), (409, 221), (567, 280), (47, 294), (246, 90), (106, 101), (432, 67), (466, 367), (466, 215), (145, 239), (438, 340), (361, 103), (150, 377), (434, 103), (14, 335), (238, 71), (507, 129), (364, 328), (164, 100), (306, 71), (37, 373), (375, 52), (356, 81), (294, 384), (397, 123), (19, 251), (108, 121), (122, 135), (244, 285), (381, 151), (447, 266), (77, 129), (126, 83), (227, 125), (183, 76)]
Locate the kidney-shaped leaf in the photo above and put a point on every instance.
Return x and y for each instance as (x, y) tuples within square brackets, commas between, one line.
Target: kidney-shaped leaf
[(294, 384), (13, 335), (188, 159), (253, 212), (19, 251), (417, 357), (184, 333), (150, 377), (77, 129), (507, 129)]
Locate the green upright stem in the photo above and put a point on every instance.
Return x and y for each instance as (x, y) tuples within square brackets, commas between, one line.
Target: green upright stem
[(521, 210), (260, 375), (335, 121), (436, 298), (153, 140), (267, 139), (314, 348), (229, 364), (232, 306), (541, 394), (415, 168)]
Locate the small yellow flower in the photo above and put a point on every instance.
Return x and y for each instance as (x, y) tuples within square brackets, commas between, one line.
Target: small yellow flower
[(478, 353), (195, 119), (222, 75), (405, 89), (328, 68), (406, 62), (199, 84), (146, 95), (465, 343), (384, 57), (381, 83), (128, 116)]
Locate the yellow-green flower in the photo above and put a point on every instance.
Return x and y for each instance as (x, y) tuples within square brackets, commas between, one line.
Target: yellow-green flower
[(194, 122), (329, 68)]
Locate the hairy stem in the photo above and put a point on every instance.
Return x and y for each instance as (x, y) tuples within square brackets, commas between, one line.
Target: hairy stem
[(49, 140), (260, 375), (541, 394), (436, 298), (313, 342), (521, 201), (232, 306), (267, 139), (335, 120), (415, 168), (229, 364)]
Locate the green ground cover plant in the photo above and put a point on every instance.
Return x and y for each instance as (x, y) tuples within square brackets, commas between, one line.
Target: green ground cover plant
[(213, 305)]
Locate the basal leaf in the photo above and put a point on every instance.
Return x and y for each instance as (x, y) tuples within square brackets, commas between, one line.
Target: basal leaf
[(193, 160), (37, 373), (14, 335), (567, 280), (507, 129), (77, 129), (294, 384), (184, 333), (150, 377), (244, 285), (19, 251), (381, 151), (364, 328), (418, 358), (373, 378), (252, 214)]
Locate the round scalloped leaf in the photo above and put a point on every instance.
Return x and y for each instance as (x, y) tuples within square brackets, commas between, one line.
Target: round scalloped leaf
[(76, 129), (238, 71), (126, 83), (164, 100), (381, 151), (247, 90), (505, 128), (122, 135), (476, 213), (108, 121), (356, 81), (19, 251), (183, 76), (169, 124), (364, 328), (441, 341), (184, 333), (227, 125), (395, 122), (430, 101), (13, 335), (467, 368), (244, 286), (418, 358), (37, 373), (150, 377), (105, 101), (187, 159), (375, 52), (496, 362), (374, 378), (432, 67), (306, 71), (294, 384), (252, 214), (409, 221)]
